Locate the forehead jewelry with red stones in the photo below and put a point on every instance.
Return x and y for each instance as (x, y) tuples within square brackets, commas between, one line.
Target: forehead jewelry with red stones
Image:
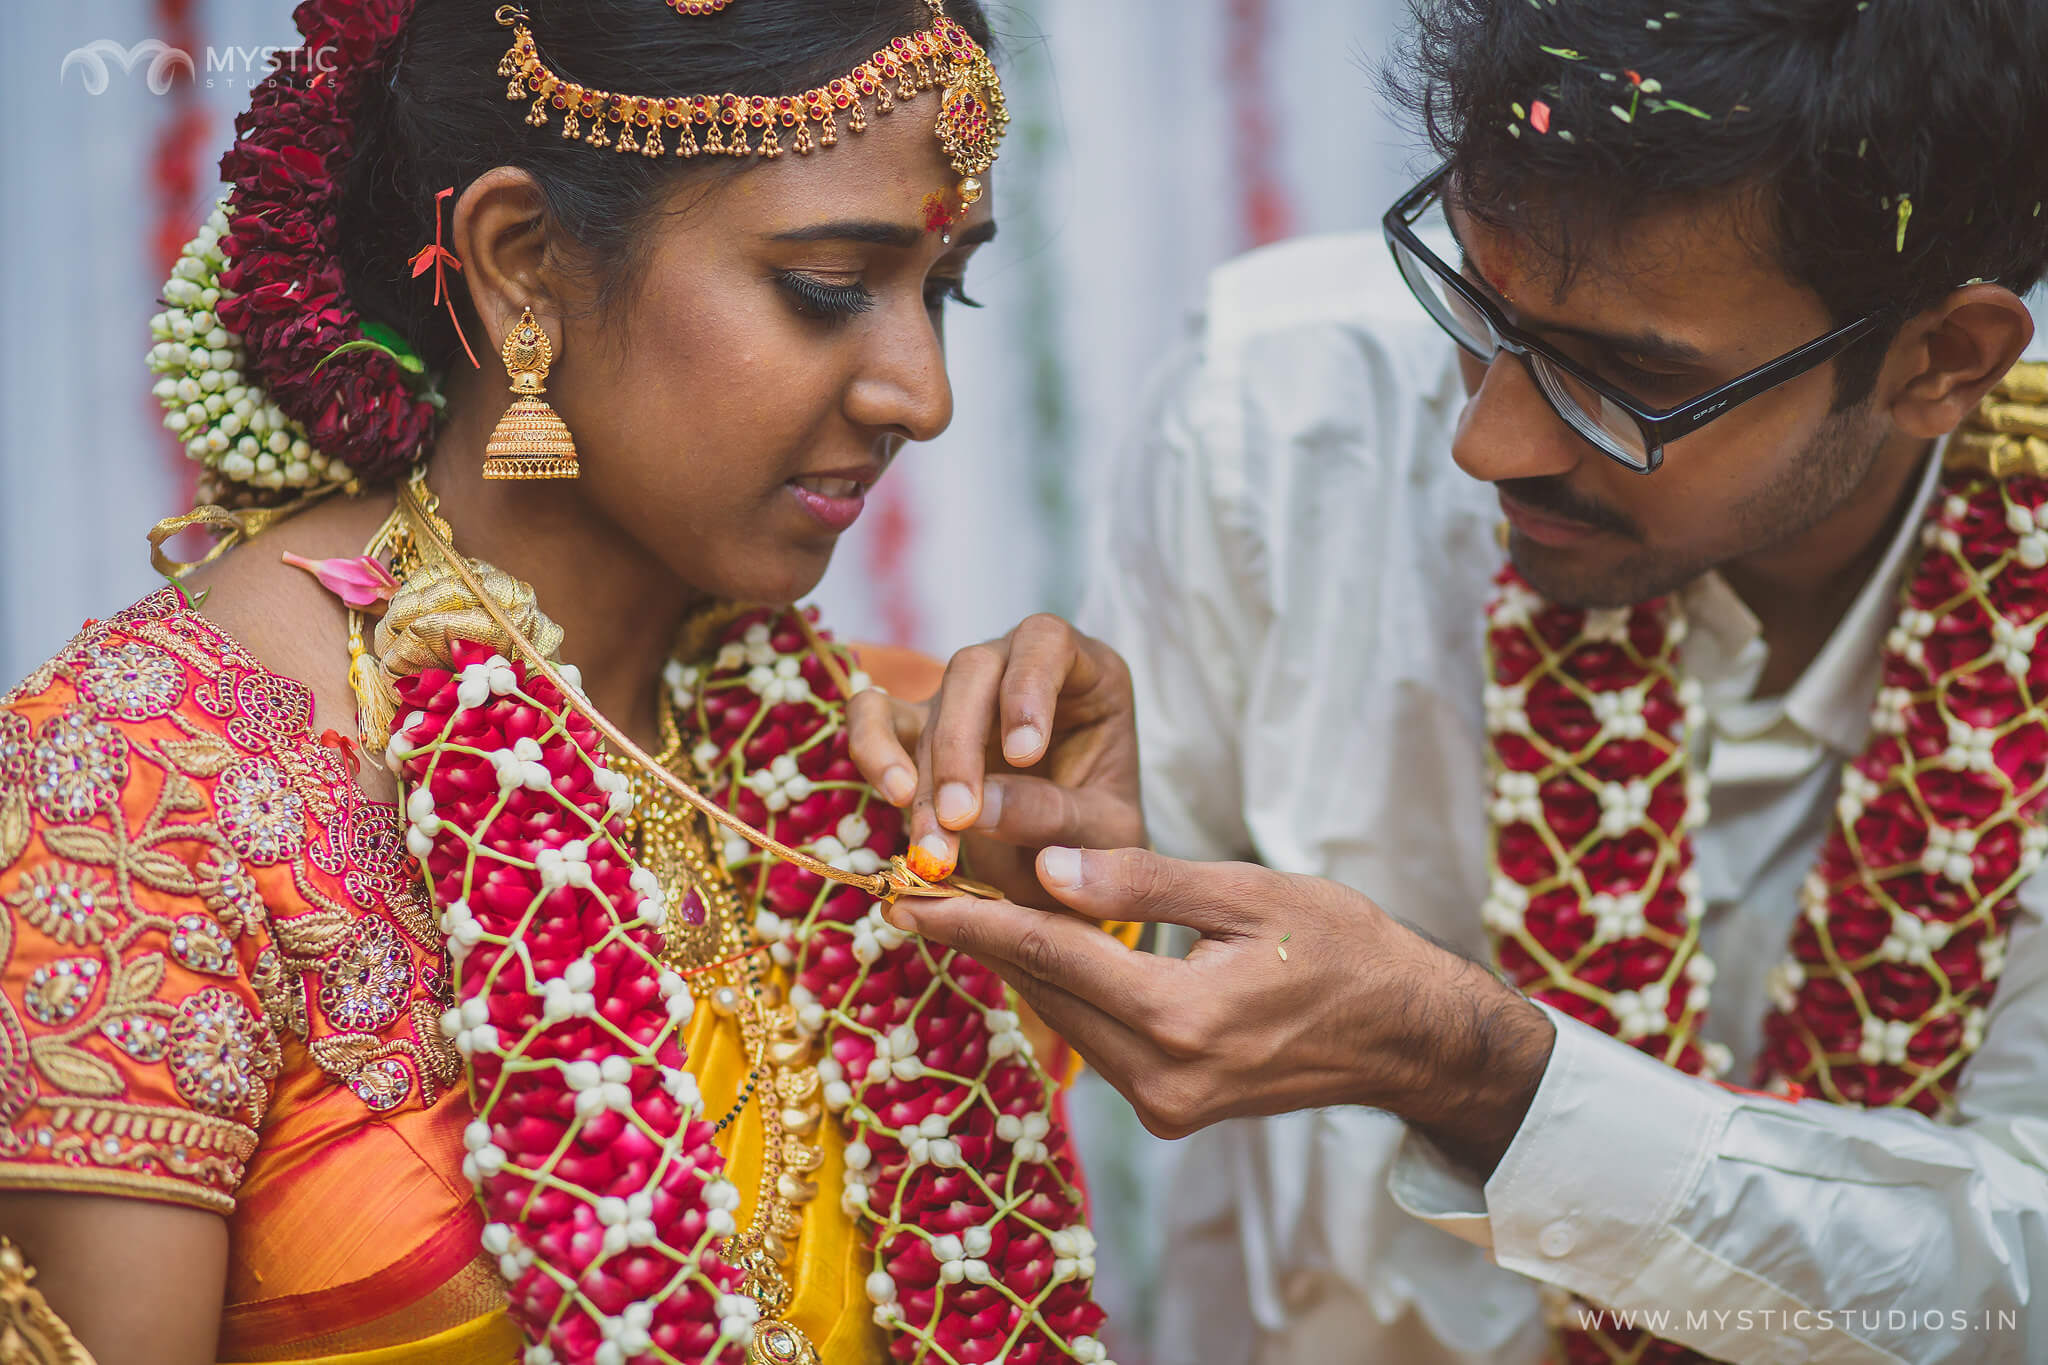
[(694, 8), (972, 116)]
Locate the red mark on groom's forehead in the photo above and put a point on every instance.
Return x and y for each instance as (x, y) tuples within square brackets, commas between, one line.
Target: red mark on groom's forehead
[(1500, 272)]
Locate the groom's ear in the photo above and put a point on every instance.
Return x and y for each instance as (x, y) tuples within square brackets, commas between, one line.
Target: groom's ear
[(1945, 360)]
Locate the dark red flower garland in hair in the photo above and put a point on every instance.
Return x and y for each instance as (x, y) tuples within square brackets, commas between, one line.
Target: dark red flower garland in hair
[(284, 294), (1896, 954)]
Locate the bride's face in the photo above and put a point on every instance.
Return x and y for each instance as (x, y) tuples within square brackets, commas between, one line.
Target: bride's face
[(782, 340)]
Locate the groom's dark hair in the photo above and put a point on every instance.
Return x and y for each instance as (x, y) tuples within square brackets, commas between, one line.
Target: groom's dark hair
[(1896, 149)]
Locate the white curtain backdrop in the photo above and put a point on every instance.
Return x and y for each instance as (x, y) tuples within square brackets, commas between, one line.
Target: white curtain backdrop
[(1154, 139)]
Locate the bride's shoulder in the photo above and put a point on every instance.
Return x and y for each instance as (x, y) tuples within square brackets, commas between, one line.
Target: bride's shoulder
[(282, 616)]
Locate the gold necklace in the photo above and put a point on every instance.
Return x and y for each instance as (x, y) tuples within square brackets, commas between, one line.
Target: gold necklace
[(675, 844)]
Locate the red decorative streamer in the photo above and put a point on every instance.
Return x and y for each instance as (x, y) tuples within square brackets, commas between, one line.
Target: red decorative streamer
[(182, 132), (889, 563), (1266, 207)]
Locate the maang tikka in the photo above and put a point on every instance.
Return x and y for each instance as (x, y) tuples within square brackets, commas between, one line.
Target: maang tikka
[(532, 441)]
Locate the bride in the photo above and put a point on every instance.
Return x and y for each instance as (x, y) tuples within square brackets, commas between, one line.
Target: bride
[(448, 925)]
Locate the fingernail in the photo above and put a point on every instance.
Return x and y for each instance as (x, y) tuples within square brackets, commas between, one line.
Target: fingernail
[(899, 785), (932, 859), (1022, 743), (901, 918), (956, 803), (1061, 867), (991, 806)]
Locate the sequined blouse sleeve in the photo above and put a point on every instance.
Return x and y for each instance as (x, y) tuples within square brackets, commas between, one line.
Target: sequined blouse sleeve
[(139, 994)]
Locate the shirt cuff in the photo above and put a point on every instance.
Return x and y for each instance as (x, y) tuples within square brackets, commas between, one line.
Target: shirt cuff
[(1612, 1147), (1428, 1185)]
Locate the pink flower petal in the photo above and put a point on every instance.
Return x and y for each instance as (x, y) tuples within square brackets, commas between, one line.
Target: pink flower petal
[(1539, 116), (360, 582)]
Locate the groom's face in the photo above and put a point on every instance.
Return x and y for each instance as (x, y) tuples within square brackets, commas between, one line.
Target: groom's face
[(1688, 301)]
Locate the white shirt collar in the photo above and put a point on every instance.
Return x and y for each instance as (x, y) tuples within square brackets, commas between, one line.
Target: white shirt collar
[(1726, 654)]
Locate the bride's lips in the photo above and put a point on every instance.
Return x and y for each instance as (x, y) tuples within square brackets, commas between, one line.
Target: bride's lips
[(836, 499), (1545, 529)]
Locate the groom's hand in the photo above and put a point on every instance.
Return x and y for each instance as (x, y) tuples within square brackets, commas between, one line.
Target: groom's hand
[(1030, 741), (1300, 993)]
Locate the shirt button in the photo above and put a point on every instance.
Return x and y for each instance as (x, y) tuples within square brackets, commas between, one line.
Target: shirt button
[(1557, 1240)]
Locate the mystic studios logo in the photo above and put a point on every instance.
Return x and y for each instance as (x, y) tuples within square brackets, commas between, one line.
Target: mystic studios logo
[(225, 67)]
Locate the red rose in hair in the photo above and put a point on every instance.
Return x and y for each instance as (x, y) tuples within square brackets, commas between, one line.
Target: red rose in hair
[(284, 293)]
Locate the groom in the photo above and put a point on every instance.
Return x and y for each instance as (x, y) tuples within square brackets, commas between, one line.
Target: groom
[(1694, 307)]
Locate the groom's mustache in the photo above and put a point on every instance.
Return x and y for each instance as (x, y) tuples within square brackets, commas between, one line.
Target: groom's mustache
[(1552, 495)]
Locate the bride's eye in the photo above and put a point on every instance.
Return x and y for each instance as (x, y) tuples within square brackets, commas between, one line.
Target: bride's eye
[(822, 300)]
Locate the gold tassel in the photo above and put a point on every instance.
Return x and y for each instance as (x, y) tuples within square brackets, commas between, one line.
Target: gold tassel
[(30, 1330), (531, 441), (653, 147)]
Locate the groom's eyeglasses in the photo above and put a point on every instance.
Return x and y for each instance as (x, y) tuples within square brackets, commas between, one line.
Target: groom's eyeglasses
[(1621, 427)]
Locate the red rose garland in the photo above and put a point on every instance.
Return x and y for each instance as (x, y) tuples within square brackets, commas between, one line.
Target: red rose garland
[(589, 1147), (955, 1164), (283, 293), (1895, 958), (607, 1198)]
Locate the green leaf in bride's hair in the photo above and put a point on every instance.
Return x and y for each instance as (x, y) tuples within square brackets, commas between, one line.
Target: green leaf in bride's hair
[(407, 358), (404, 358)]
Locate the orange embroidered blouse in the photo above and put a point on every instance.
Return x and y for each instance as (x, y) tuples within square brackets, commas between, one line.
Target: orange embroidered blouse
[(208, 933), (221, 985)]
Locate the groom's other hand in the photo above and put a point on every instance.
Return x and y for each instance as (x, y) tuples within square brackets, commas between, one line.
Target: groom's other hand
[(1300, 993), (1030, 741)]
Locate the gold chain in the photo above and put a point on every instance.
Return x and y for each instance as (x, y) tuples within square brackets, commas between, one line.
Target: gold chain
[(674, 843)]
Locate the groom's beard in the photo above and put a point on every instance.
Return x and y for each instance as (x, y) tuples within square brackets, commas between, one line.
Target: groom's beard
[(1627, 566)]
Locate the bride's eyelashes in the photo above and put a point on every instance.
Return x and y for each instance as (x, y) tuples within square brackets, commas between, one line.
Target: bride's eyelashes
[(940, 292), (825, 301)]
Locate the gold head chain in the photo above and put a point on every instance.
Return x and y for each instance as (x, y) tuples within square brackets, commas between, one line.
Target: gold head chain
[(895, 882), (971, 122)]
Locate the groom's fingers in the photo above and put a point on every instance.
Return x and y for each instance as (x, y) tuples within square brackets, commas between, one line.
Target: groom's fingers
[(952, 751), (1044, 656), (1033, 813), (1062, 952), (880, 733), (1135, 885)]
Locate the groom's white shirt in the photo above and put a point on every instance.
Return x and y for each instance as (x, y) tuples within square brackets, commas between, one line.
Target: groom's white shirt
[(1297, 572)]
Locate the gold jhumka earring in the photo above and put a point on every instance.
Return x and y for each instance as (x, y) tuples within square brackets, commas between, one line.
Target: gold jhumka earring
[(532, 441)]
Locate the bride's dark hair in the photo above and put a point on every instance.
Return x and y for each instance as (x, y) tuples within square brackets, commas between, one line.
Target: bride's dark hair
[(440, 118)]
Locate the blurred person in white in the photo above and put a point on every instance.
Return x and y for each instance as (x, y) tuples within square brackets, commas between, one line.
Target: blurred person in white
[(1721, 310)]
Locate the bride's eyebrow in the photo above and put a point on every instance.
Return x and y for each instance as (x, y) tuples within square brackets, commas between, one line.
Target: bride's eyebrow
[(877, 232), (868, 232)]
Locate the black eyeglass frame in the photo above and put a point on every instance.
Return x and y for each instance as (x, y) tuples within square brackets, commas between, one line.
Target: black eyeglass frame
[(1658, 426)]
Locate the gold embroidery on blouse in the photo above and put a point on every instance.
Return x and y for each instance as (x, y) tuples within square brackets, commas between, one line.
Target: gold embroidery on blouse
[(269, 793)]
